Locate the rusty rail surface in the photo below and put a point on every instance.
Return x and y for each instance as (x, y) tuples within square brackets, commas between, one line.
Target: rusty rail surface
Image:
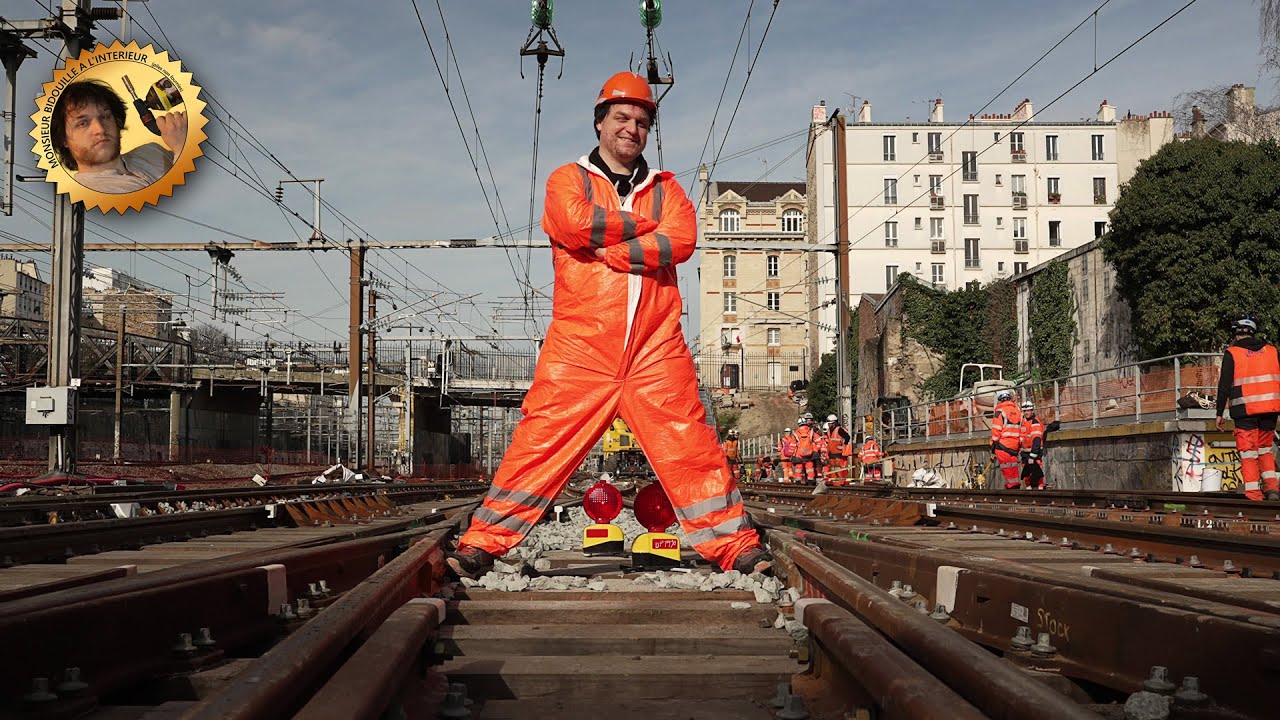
[(122, 631), (1093, 623), (278, 683), (897, 685), (992, 685), (367, 683)]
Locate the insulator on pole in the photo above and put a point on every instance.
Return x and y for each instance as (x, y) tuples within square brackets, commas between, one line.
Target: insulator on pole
[(650, 13), (541, 13)]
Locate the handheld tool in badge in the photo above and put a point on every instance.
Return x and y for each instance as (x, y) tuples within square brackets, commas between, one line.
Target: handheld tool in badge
[(144, 112)]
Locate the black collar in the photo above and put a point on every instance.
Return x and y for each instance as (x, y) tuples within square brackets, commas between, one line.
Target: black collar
[(624, 183)]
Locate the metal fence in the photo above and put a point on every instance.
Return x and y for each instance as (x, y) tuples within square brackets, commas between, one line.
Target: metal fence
[(751, 370), (1128, 393)]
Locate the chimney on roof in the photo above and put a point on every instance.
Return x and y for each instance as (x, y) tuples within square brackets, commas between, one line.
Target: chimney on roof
[(1197, 122), (1106, 112), (1240, 104), (935, 115), (864, 112), (1024, 111), (819, 113)]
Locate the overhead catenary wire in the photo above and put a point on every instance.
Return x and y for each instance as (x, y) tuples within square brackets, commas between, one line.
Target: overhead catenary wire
[(803, 250)]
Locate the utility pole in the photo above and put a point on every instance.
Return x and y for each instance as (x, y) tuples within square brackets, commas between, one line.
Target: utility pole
[(355, 343), (843, 380), (372, 459), (116, 455)]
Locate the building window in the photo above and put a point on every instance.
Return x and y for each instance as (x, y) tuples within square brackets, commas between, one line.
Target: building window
[(890, 148), (919, 223), (935, 143), (890, 276), (1050, 148), (1099, 228), (938, 274), (1099, 191), (1018, 184), (997, 137), (969, 166), (890, 191), (1016, 148), (937, 242), (1000, 266), (1054, 196), (730, 266), (730, 303), (1020, 235), (774, 301), (774, 336), (730, 221), (730, 336), (935, 185), (971, 257), (1019, 267), (792, 221), (915, 138), (1055, 233), (771, 265), (915, 180), (999, 181), (1099, 151), (970, 209), (891, 234)]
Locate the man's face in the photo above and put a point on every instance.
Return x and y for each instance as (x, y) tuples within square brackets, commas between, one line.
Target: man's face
[(624, 131), (92, 135)]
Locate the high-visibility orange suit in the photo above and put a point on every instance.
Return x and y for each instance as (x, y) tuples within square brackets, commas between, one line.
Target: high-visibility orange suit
[(731, 455), (1006, 440), (615, 348), (1249, 389), (870, 456)]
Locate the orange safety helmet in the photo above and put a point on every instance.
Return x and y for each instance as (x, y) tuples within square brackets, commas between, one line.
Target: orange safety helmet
[(630, 87)]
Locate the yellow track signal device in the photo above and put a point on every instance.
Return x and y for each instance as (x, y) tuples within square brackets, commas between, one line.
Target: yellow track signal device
[(656, 548), (602, 503)]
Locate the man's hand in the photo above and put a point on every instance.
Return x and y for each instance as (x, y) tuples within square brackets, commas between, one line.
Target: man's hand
[(600, 253), (1218, 423), (173, 130)]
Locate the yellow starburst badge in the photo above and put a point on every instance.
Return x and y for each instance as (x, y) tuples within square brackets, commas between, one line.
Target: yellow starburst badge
[(118, 127)]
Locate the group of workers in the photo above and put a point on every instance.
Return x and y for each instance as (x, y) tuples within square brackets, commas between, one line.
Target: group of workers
[(810, 452), (1017, 442)]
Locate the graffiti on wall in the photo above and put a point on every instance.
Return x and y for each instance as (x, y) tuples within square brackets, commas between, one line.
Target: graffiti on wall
[(1200, 451)]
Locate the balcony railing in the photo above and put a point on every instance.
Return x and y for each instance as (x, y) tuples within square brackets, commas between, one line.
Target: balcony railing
[(937, 202), (937, 246), (1055, 198), (1020, 201), (1020, 246), (1129, 393), (1099, 199), (1018, 156), (935, 156)]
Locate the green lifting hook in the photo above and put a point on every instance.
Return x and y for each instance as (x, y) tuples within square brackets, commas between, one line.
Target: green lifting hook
[(650, 14), (541, 13)]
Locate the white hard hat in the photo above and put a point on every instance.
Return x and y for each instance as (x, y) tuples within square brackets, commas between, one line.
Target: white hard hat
[(1004, 395), (1028, 405), (787, 430), (831, 418)]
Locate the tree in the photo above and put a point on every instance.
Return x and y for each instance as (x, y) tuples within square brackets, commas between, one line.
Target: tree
[(1195, 239), (1269, 31), (210, 343), (823, 395)]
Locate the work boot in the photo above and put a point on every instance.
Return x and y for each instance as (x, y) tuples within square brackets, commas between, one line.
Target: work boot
[(1271, 495), (754, 560), (469, 562)]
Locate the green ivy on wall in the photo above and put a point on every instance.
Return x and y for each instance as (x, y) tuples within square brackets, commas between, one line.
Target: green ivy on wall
[(969, 325), (1052, 319)]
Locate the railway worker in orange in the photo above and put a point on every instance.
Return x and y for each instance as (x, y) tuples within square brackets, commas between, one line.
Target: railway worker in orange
[(837, 448), (618, 228), (870, 457), (731, 454), (787, 452), (1006, 438), (764, 467), (1249, 389), (1032, 448), (808, 440)]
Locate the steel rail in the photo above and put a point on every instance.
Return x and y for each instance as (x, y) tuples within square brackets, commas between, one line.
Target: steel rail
[(279, 683), (992, 685)]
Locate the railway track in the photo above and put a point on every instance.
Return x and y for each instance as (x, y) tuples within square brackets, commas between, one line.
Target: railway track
[(899, 615)]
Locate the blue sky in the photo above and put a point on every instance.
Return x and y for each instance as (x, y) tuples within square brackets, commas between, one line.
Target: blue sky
[(347, 91)]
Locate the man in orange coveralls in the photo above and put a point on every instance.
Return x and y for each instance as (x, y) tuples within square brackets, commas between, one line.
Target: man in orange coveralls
[(615, 348)]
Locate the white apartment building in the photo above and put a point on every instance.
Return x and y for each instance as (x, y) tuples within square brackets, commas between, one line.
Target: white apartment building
[(755, 294), (22, 292), (960, 203)]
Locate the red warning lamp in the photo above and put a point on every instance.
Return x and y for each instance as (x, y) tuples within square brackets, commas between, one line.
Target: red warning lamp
[(653, 508), (603, 502)]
